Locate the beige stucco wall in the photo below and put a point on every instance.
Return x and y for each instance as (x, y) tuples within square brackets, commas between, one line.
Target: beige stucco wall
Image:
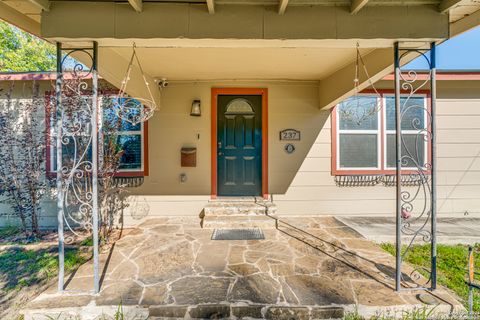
[(301, 183), (290, 105)]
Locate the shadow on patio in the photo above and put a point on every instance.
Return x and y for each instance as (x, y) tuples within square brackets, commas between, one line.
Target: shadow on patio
[(170, 267)]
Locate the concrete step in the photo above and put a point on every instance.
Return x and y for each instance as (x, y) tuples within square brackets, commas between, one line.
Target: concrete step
[(244, 311), (238, 222), (217, 208), (239, 214)]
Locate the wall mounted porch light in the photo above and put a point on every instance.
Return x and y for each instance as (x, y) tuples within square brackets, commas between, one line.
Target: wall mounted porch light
[(196, 111)]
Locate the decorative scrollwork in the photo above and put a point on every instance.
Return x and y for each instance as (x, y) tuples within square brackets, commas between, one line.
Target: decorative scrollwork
[(359, 108), (416, 200), (407, 180), (75, 133)]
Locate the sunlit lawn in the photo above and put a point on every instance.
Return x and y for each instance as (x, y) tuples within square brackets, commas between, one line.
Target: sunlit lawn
[(451, 266)]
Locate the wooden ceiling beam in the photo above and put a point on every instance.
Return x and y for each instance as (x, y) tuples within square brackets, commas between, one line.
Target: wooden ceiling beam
[(282, 6), (357, 5), (42, 4), (137, 5), (211, 6), (446, 5)]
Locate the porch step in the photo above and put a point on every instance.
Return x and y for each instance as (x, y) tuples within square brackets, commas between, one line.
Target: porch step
[(239, 214), (244, 311)]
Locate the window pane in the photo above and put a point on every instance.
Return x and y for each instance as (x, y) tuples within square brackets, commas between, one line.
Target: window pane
[(413, 150), (358, 151), (112, 122), (239, 106), (358, 113), (413, 117), (69, 153), (132, 148), (129, 144)]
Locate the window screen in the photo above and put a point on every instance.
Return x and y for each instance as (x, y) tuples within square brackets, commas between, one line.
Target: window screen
[(413, 151), (365, 130), (414, 138), (358, 151)]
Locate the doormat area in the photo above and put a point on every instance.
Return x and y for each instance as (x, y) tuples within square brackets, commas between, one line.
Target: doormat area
[(238, 234)]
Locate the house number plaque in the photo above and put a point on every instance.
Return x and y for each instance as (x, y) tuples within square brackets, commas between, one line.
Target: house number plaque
[(290, 135)]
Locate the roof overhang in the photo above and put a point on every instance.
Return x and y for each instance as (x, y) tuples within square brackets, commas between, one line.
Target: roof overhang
[(158, 21)]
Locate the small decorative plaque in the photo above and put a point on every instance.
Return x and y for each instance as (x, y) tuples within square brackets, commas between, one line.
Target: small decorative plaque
[(290, 135)]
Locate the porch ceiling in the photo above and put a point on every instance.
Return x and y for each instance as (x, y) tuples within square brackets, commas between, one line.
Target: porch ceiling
[(242, 63)]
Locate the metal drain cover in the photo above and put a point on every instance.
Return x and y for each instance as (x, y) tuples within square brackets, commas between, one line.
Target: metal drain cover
[(238, 234)]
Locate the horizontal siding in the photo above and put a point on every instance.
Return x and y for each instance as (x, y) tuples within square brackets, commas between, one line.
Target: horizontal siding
[(366, 207), (313, 188), (457, 107), (458, 121), (374, 193)]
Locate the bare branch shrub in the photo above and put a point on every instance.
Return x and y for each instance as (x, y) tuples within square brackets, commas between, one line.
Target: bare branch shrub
[(22, 154)]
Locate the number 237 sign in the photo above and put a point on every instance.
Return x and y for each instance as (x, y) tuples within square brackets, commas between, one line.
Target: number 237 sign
[(290, 135)]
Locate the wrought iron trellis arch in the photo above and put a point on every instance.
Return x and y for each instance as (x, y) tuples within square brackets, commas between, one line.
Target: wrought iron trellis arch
[(415, 205), (77, 130)]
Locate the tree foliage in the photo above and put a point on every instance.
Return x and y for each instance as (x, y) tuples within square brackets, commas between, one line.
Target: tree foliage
[(21, 51)]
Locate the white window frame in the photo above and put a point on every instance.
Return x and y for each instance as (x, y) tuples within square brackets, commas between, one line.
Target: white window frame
[(142, 147), (339, 131), (382, 133), (53, 137), (406, 132)]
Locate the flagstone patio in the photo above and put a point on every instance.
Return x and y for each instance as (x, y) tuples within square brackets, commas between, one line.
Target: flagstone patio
[(305, 268)]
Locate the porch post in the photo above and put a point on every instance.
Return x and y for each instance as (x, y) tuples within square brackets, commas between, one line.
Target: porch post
[(59, 124), (425, 171), (433, 98), (398, 156), (95, 129)]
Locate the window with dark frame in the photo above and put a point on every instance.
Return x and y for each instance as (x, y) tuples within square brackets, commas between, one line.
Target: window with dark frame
[(367, 146)]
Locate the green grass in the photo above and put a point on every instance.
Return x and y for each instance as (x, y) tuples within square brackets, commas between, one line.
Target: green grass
[(87, 242), (9, 231), (416, 314), (20, 267), (451, 266)]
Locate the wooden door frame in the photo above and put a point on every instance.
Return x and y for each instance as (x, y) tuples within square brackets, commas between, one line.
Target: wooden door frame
[(239, 91)]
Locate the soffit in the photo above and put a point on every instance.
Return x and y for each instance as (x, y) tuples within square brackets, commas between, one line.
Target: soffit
[(241, 63)]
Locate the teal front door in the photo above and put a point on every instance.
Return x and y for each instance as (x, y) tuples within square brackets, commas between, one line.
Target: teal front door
[(239, 145)]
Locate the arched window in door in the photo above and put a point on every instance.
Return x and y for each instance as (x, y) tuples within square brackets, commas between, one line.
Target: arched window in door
[(239, 106)]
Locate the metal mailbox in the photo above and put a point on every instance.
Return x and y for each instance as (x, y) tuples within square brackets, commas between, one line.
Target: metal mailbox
[(189, 157)]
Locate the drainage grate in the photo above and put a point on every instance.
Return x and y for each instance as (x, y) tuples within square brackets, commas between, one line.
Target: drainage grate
[(238, 234)]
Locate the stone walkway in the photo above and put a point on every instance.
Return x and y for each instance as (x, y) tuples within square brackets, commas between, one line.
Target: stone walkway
[(170, 267)]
